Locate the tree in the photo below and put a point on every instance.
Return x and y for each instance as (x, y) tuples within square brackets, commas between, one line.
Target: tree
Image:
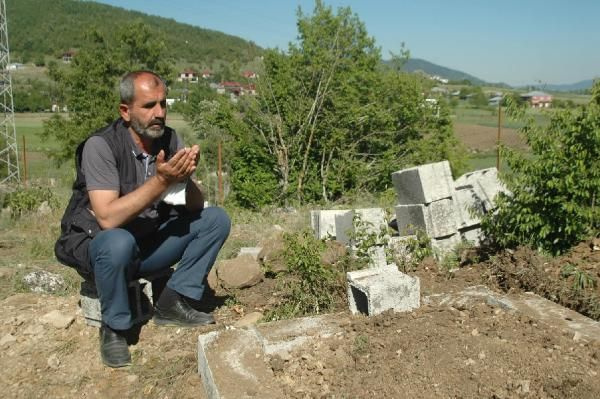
[(90, 86), (554, 191), (329, 118)]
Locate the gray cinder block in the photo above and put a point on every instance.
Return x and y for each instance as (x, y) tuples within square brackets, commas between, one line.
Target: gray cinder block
[(141, 298), (423, 184), (372, 291), (469, 205), (323, 222), (252, 251), (444, 245), (372, 219), (473, 234), (437, 219), (485, 183)]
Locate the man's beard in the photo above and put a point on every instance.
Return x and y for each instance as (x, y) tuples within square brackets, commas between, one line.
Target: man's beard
[(150, 131)]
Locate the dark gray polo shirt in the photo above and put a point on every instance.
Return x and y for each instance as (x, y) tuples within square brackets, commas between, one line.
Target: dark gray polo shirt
[(100, 170)]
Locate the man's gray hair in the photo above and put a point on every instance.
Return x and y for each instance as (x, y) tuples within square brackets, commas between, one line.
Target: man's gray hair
[(127, 86)]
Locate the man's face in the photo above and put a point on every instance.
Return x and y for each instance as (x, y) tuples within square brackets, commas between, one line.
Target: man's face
[(148, 111)]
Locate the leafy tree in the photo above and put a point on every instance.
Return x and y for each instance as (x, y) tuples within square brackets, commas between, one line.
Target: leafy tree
[(329, 118), (89, 86), (554, 190)]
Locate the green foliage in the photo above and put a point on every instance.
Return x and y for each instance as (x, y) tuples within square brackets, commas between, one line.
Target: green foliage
[(581, 279), (330, 118), (365, 240), (89, 86), (416, 249), (55, 27), (311, 287), (24, 200), (554, 191)]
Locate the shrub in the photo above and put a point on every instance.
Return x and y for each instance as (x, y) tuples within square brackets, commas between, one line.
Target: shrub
[(554, 190), (25, 200)]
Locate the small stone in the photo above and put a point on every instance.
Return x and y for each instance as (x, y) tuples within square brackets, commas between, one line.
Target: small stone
[(53, 361), (248, 320), (469, 362), (524, 386), (577, 336), (57, 320), (131, 378), (44, 282), (7, 340), (481, 355), (475, 332)]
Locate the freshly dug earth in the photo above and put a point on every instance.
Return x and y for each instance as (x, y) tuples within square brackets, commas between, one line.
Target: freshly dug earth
[(473, 352)]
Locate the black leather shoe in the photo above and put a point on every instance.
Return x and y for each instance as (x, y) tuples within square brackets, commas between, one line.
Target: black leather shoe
[(113, 348), (181, 314)]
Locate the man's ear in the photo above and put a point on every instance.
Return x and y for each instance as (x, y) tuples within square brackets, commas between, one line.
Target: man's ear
[(124, 111)]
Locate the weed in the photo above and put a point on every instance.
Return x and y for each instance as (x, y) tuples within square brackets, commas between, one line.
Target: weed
[(581, 279), (412, 251), (361, 345), (310, 287), (364, 238)]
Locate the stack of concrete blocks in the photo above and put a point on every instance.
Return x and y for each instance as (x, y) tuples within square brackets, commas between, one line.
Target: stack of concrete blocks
[(323, 222), (426, 202), (375, 290), (368, 221), (140, 294), (474, 195)]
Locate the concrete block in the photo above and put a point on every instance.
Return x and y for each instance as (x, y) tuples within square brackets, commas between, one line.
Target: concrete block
[(368, 220), (141, 294), (372, 291), (377, 258), (437, 219), (469, 205), (252, 251), (423, 184), (485, 183), (323, 222), (472, 234), (444, 245)]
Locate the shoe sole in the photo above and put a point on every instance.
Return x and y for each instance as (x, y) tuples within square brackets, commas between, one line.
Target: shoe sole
[(116, 365), (174, 323)]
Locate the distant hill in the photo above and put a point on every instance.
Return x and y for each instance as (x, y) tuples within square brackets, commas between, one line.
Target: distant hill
[(579, 86), (416, 64), (39, 27)]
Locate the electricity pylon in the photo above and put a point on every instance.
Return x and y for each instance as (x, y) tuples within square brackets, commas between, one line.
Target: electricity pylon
[(9, 155)]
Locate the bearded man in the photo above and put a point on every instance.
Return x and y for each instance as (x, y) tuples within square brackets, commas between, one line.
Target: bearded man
[(119, 225)]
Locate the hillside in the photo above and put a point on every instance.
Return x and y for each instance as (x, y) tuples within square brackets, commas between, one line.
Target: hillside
[(416, 64), (38, 28)]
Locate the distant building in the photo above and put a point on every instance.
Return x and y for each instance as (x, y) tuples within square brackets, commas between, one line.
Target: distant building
[(249, 74), (14, 66), (188, 75), (236, 89), (537, 99), (494, 101), (206, 74), (67, 56)]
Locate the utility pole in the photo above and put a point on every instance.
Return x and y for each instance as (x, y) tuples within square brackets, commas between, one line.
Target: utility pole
[(499, 134), (9, 156)]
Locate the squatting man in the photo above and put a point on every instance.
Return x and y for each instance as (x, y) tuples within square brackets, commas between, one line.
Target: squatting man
[(119, 224)]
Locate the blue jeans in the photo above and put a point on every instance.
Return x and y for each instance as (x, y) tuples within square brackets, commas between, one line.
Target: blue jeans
[(193, 240)]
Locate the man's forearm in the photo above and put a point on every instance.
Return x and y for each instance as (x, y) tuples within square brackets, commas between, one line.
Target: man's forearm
[(120, 210)]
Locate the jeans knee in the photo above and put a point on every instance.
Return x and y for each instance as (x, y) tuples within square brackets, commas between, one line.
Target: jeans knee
[(115, 248), (220, 220)]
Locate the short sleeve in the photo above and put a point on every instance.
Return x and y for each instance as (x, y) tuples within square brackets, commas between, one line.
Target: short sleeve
[(99, 165)]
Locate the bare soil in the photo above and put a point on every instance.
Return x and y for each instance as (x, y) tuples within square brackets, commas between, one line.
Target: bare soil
[(484, 138), (446, 352)]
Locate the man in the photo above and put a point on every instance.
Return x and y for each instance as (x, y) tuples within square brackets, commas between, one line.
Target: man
[(117, 227)]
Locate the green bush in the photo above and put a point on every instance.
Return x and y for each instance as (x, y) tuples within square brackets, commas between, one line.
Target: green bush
[(553, 200), (25, 200)]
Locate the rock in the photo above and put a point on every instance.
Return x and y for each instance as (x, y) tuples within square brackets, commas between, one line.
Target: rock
[(212, 279), (44, 209), (53, 361), (577, 336), (241, 272), (248, 320), (271, 254), (34, 329), (253, 251), (57, 320), (7, 340), (44, 282), (132, 378)]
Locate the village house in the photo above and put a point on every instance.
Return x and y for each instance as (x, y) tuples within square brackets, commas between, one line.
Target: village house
[(67, 56), (188, 75), (537, 99), (206, 74), (249, 74)]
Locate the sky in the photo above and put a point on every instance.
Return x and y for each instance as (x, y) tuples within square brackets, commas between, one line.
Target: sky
[(512, 41)]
